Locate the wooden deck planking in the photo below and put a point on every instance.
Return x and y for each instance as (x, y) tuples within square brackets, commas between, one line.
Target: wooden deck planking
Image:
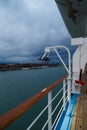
[(79, 121)]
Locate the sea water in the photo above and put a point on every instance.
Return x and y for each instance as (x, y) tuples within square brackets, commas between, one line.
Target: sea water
[(16, 86)]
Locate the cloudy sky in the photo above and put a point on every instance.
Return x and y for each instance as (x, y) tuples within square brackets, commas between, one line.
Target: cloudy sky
[(27, 26)]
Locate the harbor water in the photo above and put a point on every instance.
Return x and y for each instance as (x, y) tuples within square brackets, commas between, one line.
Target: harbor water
[(16, 86)]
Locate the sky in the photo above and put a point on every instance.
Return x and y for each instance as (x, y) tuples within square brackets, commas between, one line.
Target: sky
[(27, 27)]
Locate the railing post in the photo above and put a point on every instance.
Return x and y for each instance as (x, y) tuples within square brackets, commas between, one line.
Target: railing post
[(69, 93), (49, 110), (64, 94)]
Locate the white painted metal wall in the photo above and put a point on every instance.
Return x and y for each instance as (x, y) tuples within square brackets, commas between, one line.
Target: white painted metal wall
[(79, 57)]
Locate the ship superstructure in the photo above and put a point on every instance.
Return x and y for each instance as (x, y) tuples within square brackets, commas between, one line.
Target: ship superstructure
[(74, 14)]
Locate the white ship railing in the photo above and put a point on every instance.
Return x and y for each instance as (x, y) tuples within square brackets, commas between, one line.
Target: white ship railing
[(5, 119), (63, 99)]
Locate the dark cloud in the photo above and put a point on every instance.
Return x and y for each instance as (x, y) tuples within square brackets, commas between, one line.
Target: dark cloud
[(28, 25)]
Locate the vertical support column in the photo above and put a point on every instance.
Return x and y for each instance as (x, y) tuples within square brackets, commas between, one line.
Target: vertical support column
[(68, 89), (69, 93), (49, 111), (64, 94), (69, 81)]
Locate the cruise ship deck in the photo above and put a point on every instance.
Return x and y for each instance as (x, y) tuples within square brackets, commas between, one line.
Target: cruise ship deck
[(79, 121), (75, 118)]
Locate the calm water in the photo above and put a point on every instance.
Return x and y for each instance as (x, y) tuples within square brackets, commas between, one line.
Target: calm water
[(16, 86)]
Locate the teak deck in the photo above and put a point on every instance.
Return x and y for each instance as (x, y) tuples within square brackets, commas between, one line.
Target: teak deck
[(79, 121)]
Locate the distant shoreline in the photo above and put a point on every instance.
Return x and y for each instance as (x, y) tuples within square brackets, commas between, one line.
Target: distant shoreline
[(25, 66)]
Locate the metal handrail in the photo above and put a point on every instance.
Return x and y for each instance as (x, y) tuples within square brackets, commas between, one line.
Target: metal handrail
[(14, 113), (52, 112)]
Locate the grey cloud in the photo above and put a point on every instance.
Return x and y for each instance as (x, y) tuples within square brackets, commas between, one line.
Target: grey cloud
[(28, 25)]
